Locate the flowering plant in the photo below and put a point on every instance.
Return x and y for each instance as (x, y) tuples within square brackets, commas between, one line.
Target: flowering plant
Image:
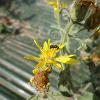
[(83, 21)]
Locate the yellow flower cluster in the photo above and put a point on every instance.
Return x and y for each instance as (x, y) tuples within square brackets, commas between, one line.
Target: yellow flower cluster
[(49, 56), (57, 5)]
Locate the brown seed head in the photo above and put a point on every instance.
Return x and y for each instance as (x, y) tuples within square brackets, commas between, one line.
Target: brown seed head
[(41, 81)]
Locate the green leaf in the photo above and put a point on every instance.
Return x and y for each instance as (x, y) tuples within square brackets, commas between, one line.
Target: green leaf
[(86, 96)]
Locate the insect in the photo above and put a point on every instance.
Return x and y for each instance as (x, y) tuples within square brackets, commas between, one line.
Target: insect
[(54, 47)]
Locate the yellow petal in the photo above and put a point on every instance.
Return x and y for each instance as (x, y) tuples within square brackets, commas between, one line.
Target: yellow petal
[(72, 61), (32, 80), (73, 55), (52, 3), (40, 64), (45, 46), (63, 5), (61, 46), (37, 44), (56, 9), (48, 69), (32, 58), (62, 59), (67, 59), (49, 42), (57, 65), (35, 71)]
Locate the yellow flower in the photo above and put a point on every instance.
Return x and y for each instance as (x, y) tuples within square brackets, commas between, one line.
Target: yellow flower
[(49, 56), (57, 5)]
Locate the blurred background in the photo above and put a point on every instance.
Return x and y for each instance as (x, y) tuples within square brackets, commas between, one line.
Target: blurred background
[(19, 21)]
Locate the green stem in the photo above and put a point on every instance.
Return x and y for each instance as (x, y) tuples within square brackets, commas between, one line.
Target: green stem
[(64, 38), (58, 17)]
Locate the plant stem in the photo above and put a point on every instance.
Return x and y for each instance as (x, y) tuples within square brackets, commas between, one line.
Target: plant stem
[(64, 38), (58, 16)]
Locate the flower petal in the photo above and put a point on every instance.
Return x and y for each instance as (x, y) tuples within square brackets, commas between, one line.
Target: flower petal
[(73, 55), (45, 68), (49, 42), (37, 44), (45, 46), (35, 71), (56, 9), (61, 46), (72, 61), (40, 64), (32, 80), (52, 3), (67, 59), (64, 5), (32, 58), (57, 65)]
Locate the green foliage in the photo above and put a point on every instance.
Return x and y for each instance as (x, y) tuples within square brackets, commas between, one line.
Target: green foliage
[(5, 29), (86, 96)]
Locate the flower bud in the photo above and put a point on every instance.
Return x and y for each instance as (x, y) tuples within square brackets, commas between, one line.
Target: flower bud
[(79, 9), (93, 20)]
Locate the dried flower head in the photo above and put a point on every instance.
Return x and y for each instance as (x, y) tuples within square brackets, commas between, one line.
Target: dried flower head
[(40, 80)]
